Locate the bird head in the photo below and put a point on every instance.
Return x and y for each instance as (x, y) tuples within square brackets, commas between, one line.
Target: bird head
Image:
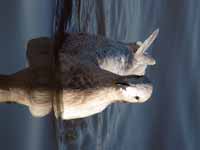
[(134, 89)]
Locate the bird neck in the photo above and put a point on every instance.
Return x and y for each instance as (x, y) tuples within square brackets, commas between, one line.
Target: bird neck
[(108, 94)]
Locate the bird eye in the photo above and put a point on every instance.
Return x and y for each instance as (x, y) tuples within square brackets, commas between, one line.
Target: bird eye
[(137, 97)]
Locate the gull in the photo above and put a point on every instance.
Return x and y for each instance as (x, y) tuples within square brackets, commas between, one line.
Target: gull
[(93, 73)]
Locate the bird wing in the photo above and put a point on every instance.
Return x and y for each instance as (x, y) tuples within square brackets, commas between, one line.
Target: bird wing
[(81, 74), (110, 55)]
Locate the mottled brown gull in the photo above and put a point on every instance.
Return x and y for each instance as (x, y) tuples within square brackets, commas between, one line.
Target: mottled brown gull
[(94, 72)]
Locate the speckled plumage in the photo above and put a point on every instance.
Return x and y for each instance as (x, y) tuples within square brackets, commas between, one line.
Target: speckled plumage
[(100, 51), (92, 74), (89, 67)]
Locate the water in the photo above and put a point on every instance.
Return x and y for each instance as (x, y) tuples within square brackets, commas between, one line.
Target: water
[(19, 22), (170, 119)]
